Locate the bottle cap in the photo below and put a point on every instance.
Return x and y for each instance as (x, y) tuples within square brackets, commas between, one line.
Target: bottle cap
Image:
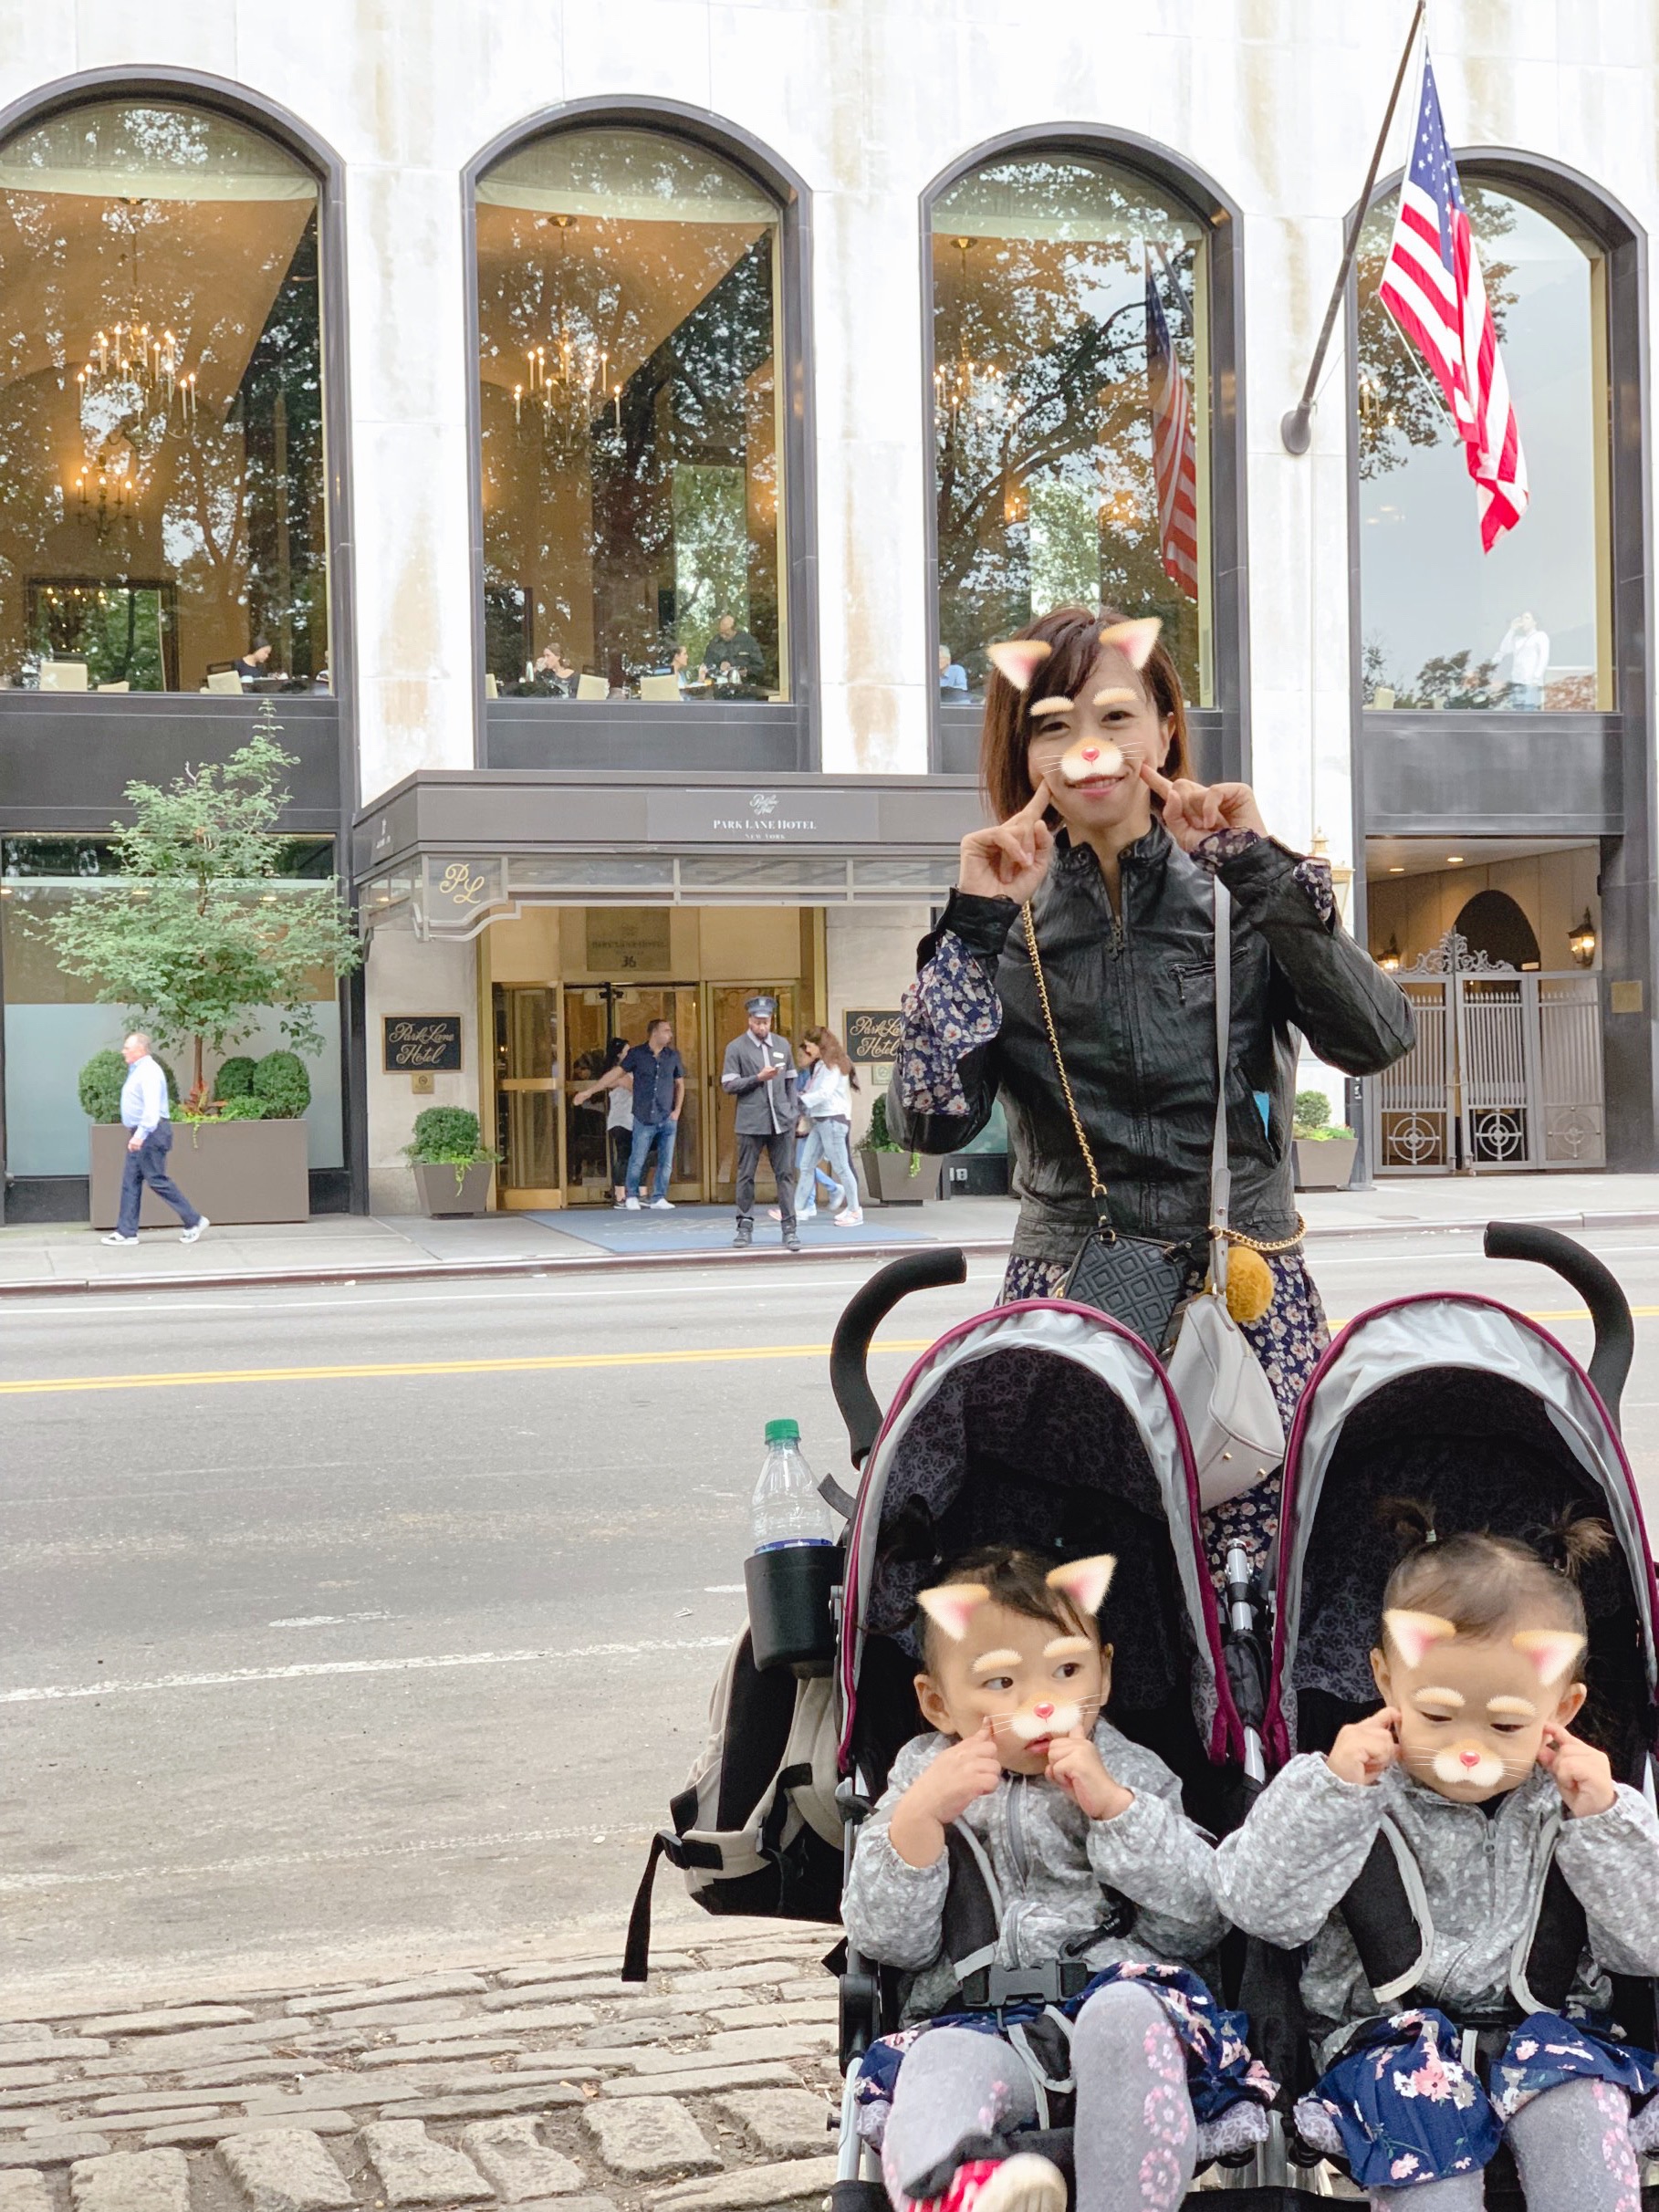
[(783, 1432)]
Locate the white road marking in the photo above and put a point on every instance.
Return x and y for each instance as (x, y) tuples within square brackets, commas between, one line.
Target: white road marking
[(724, 1590), (326, 1620), (52, 1691), (404, 1848)]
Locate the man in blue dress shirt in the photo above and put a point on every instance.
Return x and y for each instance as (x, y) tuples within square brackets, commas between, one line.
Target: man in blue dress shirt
[(144, 1113), (659, 1094)]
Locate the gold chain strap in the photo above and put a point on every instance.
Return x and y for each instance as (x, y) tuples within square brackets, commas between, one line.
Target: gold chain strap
[(1096, 1189)]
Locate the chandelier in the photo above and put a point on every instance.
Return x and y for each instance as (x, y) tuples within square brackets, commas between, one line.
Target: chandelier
[(963, 384), (132, 365), (564, 377)]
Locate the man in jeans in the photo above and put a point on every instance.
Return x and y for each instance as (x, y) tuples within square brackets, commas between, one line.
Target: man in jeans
[(759, 1073), (144, 1113), (659, 1093)]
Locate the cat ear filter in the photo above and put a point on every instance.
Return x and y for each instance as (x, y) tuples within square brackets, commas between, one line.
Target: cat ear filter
[(951, 1606), (1018, 659), (1411, 1633), (1133, 639), (1084, 1582), (1551, 1650)]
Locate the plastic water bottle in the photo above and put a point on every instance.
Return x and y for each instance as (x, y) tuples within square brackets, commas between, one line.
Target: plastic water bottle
[(788, 1510)]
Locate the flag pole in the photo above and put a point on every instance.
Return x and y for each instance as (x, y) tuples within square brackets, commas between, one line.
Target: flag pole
[(1296, 429)]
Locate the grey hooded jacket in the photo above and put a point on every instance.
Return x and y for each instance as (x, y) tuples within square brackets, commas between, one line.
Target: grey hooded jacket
[(1051, 1863), (1282, 1874)]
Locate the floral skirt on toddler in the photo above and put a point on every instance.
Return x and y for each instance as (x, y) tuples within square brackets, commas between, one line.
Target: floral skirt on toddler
[(1229, 2089), (1405, 2108)]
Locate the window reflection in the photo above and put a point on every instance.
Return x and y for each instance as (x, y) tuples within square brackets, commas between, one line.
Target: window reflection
[(629, 410), (1526, 627), (161, 483), (1071, 408)]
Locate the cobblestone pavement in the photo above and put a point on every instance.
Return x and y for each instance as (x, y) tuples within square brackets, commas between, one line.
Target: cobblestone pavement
[(541, 2084)]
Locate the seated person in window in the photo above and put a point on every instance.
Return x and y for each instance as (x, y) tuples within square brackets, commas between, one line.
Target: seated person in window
[(552, 676), (953, 676), (734, 659), (255, 663)]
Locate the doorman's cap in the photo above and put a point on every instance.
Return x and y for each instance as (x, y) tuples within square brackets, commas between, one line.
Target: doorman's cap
[(760, 1005)]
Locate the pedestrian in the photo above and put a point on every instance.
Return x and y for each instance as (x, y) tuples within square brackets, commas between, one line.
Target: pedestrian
[(825, 1098), (618, 1086), (658, 1075), (758, 1071), (144, 1112)]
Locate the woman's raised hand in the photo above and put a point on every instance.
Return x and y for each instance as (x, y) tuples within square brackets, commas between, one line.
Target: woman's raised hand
[(1193, 811), (1011, 860)]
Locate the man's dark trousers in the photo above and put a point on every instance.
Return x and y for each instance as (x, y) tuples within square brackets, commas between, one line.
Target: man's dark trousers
[(779, 1149), (149, 1164)]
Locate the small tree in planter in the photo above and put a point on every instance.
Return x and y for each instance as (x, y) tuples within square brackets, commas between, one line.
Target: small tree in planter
[(264, 1179), (452, 1163), (893, 1177), (197, 939), (1324, 1150)]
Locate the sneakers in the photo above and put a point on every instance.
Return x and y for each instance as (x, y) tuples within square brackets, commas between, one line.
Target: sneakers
[(662, 1205), (1024, 2182), (792, 1242), (851, 1218), (804, 1213), (633, 1205), (115, 1237), (189, 1235)]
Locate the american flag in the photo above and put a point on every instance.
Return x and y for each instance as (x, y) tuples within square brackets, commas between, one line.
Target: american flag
[(1433, 287), (1174, 454)]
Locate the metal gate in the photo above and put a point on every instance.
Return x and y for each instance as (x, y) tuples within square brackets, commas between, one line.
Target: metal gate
[(1506, 1071)]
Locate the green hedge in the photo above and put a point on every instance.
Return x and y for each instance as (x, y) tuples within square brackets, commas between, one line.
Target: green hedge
[(235, 1078), (446, 1132), (101, 1081), (281, 1084)]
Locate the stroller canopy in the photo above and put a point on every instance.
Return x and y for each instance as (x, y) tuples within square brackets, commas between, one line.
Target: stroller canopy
[(1467, 1406), (1046, 1425)]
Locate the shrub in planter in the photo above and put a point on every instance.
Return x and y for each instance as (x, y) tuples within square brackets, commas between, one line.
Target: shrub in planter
[(447, 1142), (101, 1085), (243, 1110), (893, 1177), (1324, 1149), (235, 1077), (282, 1086)]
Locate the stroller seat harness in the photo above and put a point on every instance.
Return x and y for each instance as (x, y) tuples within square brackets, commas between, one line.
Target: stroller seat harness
[(973, 1920)]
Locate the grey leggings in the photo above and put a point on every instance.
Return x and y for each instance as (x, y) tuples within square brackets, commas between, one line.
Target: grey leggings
[(962, 2094), (1572, 2148)]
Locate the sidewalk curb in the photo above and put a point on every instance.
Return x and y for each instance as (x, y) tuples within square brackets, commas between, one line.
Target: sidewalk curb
[(608, 1263)]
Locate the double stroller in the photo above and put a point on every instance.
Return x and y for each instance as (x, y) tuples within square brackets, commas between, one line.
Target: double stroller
[(1049, 1425)]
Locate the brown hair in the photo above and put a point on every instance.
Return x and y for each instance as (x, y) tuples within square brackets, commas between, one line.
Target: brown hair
[(1075, 635), (833, 1052), (1017, 1580), (1478, 1583)]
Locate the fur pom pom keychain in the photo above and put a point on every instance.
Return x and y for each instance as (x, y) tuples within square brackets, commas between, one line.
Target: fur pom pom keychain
[(1250, 1285)]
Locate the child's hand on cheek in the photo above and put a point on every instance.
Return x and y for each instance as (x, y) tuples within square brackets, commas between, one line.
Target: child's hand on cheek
[(1366, 1749), (969, 1768), (1076, 1767), (1582, 1774)]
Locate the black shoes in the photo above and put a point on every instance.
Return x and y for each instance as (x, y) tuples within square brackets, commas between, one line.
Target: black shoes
[(744, 1238), (791, 1243)]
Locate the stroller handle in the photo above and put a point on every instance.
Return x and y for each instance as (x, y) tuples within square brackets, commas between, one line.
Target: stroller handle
[(1597, 1287), (865, 1312)]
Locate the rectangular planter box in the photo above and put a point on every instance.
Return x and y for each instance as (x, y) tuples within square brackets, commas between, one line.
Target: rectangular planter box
[(436, 1187), (233, 1172), (889, 1182), (1324, 1165)]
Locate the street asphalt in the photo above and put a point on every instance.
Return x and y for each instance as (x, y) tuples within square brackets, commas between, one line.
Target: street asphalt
[(304, 1673)]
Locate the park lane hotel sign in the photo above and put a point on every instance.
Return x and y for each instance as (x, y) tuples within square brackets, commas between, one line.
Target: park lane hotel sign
[(761, 814), (874, 1037), (416, 1041)]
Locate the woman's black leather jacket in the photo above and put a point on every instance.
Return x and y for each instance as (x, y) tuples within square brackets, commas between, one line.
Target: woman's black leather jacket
[(1133, 1000)]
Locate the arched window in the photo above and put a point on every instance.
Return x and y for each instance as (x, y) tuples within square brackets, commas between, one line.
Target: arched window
[(163, 496), (1072, 380), (631, 415), (1528, 627)]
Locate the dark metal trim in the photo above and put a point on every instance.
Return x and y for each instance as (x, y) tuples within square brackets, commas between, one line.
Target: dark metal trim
[(1630, 858), (704, 128), (196, 88), (1200, 194)]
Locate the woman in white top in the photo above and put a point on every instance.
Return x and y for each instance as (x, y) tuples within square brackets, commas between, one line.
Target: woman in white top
[(826, 1100), (619, 1113)]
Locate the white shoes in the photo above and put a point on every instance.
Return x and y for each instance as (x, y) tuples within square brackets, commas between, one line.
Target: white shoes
[(662, 1205), (850, 1217), (189, 1235), (631, 1205), (115, 1237)]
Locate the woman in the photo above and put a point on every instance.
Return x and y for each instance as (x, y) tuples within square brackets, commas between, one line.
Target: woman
[(619, 1113), (1118, 868), (826, 1100)]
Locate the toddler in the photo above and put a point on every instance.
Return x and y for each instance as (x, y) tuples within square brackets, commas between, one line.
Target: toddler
[(1093, 1895), (1522, 1876)]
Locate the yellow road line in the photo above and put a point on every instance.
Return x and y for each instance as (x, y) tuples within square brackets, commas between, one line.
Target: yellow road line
[(550, 1362), (48, 1387)]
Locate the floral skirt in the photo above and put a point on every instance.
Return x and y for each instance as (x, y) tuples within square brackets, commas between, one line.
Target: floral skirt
[(1408, 2110), (1220, 2071), (1288, 1340)]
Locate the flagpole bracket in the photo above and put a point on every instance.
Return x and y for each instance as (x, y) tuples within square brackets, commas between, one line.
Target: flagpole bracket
[(1296, 429)]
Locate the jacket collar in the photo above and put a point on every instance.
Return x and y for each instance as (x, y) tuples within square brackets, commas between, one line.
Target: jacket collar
[(1150, 852)]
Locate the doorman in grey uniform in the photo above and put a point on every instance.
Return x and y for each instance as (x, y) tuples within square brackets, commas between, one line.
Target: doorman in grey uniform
[(759, 1073)]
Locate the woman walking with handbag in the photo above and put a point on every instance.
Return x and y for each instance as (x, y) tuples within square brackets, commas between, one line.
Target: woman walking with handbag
[(826, 1098), (1074, 974)]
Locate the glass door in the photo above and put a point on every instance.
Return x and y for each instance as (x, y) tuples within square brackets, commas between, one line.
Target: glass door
[(593, 1015), (727, 1019), (527, 1092)]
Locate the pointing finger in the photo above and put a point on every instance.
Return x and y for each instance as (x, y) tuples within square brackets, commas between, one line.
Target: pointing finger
[(1036, 807), (1155, 779)]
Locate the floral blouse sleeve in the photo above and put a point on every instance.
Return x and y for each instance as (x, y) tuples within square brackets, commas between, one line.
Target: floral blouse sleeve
[(949, 1010), (1212, 852)]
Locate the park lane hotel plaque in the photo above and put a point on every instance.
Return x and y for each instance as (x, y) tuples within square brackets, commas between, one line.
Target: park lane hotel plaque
[(415, 1041)]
